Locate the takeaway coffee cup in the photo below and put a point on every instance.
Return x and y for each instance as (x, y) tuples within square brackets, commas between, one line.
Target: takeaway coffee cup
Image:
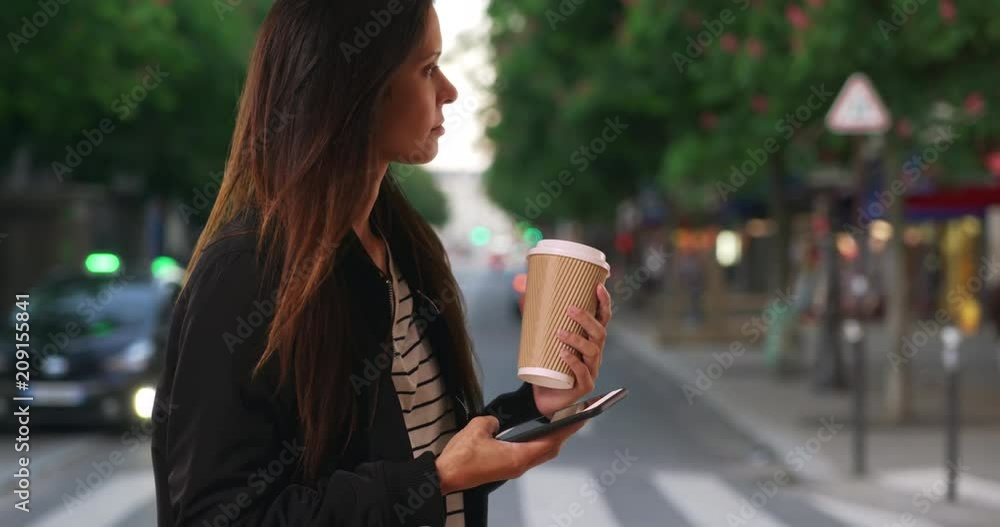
[(560, 274)]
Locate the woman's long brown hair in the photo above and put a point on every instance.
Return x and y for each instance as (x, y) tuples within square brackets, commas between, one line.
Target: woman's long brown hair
[(301, 156)]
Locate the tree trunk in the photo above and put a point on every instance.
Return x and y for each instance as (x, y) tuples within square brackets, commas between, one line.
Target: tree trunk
[(781, 213), (830, 372), (898, 386), (785, 355)]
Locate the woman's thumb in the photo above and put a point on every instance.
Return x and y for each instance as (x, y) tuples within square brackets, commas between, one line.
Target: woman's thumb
[(487, 423)]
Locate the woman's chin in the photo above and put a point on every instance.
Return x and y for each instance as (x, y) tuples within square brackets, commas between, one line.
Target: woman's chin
[(425, 153)]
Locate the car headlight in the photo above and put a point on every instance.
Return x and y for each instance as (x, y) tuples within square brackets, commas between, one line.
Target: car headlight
[(134, 358)]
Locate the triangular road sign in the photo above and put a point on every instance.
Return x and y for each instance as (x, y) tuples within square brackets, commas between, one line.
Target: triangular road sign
[(858, 109)]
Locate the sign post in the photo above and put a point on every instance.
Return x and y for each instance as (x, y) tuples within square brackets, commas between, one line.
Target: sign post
[(857, 111)]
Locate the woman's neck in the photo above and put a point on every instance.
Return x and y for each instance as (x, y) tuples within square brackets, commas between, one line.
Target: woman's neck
[(372, 243)]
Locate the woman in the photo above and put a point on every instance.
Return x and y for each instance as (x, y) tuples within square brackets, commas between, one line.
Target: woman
[(318, 369)]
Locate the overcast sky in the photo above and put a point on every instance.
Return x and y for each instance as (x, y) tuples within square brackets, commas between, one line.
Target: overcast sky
[(463, 61)]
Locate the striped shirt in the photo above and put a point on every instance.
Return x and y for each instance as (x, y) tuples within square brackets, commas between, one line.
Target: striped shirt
[(427, 410)]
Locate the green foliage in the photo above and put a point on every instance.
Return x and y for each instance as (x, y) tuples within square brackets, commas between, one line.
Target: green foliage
[(698, 111), (88, 64), (423, 192), (554, 106)]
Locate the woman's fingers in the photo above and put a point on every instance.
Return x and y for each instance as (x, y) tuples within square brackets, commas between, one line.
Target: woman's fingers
[(603, 305), (584, 378), (589, 349), (595, 330)]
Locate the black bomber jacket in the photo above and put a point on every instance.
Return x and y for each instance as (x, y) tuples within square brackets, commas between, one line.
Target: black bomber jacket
[(226, 447)]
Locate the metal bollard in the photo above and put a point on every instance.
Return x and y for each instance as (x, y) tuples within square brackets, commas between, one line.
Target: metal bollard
[(854, 333), (952, 339)]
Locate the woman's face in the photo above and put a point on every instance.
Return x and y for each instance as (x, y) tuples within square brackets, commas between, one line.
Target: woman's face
[(411, 118)]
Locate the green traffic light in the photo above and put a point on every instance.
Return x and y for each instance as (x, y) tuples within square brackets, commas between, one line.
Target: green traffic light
[(101, 328), (102, 263), (480, 236), (163, 266), (533, 235)]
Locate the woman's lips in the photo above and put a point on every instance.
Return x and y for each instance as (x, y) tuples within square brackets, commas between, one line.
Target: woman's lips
[(438, 130)]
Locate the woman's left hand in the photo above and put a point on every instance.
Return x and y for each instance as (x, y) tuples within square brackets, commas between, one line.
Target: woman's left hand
[(583, 354)]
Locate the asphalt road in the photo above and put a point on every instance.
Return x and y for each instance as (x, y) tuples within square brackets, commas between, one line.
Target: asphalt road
[(653, 460)]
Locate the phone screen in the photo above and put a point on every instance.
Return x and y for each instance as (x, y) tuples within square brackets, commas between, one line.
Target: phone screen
[(573, 409)]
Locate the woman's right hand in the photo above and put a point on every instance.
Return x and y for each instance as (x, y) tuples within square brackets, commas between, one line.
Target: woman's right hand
[(473, 457)]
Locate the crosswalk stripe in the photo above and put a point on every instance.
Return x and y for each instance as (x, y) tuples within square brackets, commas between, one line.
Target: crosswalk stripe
[(932, 484), (857, 515), (563, 496), (111, 503), (707, 501), (46, 455)]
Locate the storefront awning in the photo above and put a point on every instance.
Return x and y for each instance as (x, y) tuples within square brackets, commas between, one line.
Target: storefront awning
[(951, 203)]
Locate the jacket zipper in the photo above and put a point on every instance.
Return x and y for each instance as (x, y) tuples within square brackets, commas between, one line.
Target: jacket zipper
[(392, 339), (392, 315), (392, 325)]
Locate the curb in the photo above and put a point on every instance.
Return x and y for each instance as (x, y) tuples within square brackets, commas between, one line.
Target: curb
[(770, 436)]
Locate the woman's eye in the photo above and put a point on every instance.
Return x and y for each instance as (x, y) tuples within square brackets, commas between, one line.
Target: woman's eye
[(429, 70)]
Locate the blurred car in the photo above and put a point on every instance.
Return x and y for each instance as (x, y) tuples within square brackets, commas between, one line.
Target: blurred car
[(496, 262), (97, 347), (519, 285)]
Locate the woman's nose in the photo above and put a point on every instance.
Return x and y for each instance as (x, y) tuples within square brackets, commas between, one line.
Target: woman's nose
[(449, 93)]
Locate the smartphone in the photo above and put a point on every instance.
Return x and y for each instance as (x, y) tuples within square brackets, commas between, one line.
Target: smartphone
[(561, 418)]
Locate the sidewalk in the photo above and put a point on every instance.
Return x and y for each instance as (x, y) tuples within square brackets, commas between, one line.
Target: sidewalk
[(810, 433)]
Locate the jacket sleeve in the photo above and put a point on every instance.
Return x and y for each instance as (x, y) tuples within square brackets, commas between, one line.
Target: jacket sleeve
[(226, 457), (511, 409)]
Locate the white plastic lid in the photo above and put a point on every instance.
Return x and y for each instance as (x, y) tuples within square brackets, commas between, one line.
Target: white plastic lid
[(572, 250)]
